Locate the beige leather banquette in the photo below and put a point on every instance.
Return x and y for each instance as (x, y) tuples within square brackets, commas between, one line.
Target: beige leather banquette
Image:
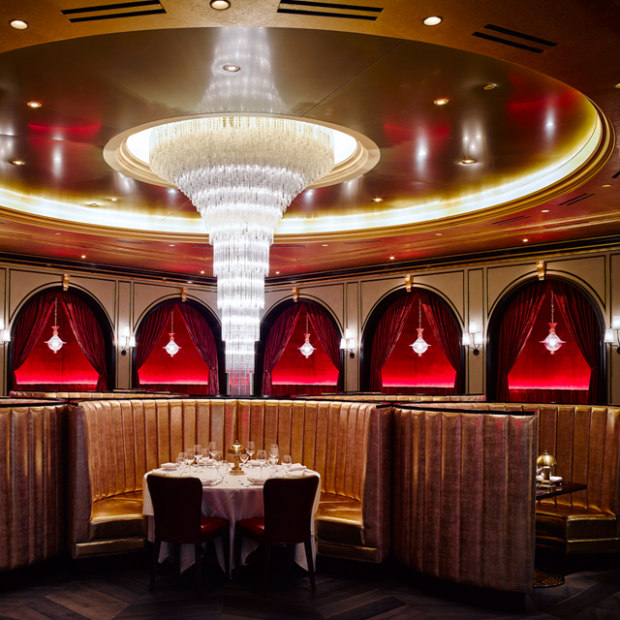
[(464, 496), (585, 441), (31, 481), (113, 443), (393, 398)]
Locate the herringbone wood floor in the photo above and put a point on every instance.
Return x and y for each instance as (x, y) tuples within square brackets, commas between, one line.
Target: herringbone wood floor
[(107, 588)]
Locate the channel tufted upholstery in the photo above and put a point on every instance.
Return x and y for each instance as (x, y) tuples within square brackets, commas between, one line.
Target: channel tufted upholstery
[(464, 496), (115, 442), (31, 482)]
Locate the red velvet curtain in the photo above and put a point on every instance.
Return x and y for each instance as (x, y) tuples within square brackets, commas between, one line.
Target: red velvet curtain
[(386, 336), (447, 332), (515, 329), (279, 335), (29, 328), (88, 334), (202, 337), (584, 327), (328, 336), (151, 330)]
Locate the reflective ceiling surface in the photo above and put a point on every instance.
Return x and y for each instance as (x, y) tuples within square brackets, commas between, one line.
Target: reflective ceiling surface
[(537, 127)]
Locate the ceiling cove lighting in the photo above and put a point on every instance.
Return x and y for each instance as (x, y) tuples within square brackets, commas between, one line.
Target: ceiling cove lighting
[(241, 172)]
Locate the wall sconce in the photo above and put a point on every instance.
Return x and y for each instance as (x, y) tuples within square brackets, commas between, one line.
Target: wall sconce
[(473, 338), (295, 294), (66, 278), (5, 333), (541, 269), (126, 341), (609, 334), (347, 344), (183, 293)]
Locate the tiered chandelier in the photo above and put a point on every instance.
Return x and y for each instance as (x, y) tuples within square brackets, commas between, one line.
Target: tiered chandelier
[(241, 172)]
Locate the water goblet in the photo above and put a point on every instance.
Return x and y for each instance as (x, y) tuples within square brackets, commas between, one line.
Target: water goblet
[(250, 448), (287, 461), (261, 459), (243, 457), (273, 454), (212, 448)]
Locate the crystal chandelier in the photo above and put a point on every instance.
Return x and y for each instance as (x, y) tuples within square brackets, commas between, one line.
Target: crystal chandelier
[(241, 173), (172, 348), (306, 348), (420, 345), (552, 342), (55, 343)]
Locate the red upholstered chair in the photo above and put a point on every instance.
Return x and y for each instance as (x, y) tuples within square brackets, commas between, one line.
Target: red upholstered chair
[(287, 520), (179, 520)]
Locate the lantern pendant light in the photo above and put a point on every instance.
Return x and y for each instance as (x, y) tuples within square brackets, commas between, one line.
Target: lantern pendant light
[(420, 345), (552, 342), (306, 348), (172, 348), (55, 343)]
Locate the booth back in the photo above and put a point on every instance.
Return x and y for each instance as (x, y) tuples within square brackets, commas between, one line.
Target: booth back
[(464, 496), (32, 480)]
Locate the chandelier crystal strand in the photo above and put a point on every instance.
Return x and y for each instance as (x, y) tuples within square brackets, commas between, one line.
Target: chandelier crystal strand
[(420, 345), (552, 342), (55, 343), (241, 173)]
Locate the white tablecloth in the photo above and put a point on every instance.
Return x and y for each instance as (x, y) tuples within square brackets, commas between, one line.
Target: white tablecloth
[(233, 499)]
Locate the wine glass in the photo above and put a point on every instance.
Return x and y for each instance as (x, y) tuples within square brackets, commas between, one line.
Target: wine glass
[(212, 448), (273, 454), (181, 459), (287, 461), (243, 457), (250, 448), (261, 459)]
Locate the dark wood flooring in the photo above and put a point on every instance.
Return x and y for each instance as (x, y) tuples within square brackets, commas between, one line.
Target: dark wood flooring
[(106, 588)]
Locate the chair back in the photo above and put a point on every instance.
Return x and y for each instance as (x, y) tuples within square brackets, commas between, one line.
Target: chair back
[(177, 507), (288, 508)]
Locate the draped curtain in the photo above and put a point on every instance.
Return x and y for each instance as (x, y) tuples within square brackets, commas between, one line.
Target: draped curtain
[(29, 329), (202, 337), (279, 335), (447, 332), (151, 330), (584, 327), (515, 329), (328, 337), (386, 336), (88, 334)]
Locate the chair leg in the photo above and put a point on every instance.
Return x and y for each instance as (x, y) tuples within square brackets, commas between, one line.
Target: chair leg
[(226, 542), (154, 562), (199, 559), (237, 550), (308, 547)]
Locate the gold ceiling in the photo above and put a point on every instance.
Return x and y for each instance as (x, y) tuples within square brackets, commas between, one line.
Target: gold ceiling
[(522, 148)]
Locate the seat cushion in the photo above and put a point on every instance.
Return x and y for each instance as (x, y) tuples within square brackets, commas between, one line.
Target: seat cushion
[(119, 516), (211, 525), (570, 523), (255, 526), (339, 519)]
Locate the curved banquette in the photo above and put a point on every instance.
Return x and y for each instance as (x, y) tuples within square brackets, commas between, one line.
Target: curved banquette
[(32, 481), (114, 442), (89, 395), (585, 441), (464, 495)]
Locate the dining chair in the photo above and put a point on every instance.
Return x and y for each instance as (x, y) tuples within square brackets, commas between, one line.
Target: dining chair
[(288, 506), (179, 520)]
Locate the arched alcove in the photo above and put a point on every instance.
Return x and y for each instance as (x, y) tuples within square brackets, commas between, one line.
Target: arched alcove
[(85, 360), (197, 367), (390, 365), (519, 365), (281, 367)]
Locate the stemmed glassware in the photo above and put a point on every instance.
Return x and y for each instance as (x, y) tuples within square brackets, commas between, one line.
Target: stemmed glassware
[(243, 457), (261, 459), (181, 456), (287, 461), (212, 449), (250, 448), (273, 454)]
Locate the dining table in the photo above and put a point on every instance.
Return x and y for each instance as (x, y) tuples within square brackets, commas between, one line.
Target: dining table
[(232, 497)]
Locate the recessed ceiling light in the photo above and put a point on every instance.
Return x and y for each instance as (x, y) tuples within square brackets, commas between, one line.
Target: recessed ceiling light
[(525, 240), (441, 101), (489, 86), (467, 161), (277, 273), (202, 271), (617, 85), (438, 234), (324, 245), (171, 245), (18, 24), (34, 104), (190, 281), (93, 204), (432, 20), (113, 199), (83, 256), (377, 199), (17, 162), (544, 210), (606, 185), (219, 5), (392, 257), (231, 68)]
